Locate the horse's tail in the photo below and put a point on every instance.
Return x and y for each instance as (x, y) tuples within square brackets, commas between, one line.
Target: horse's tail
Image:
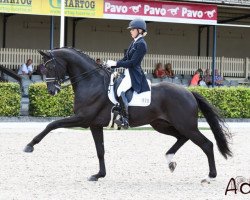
[(216, 122)]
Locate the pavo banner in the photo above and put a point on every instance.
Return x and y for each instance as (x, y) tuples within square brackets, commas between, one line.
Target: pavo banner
[(73, 8), (169, 11)]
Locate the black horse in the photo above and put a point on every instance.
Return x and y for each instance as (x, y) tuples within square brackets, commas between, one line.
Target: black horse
[(173, 109)]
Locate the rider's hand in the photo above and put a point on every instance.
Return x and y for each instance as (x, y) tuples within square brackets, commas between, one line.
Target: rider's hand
[(111, 63)]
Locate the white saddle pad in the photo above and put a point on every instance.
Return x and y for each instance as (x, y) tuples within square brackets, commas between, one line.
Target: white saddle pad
[(143, 99)]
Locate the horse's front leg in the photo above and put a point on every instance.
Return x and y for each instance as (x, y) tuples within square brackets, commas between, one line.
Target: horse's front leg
[(73, 121), (97, 133)]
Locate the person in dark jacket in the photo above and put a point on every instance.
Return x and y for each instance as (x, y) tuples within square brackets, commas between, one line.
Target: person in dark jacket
[(134, 75)]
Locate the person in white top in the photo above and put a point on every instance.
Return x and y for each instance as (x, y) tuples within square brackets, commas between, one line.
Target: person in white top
[(26, 68)]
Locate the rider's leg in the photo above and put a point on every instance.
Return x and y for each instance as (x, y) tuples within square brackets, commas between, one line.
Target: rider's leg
[(123, 120), (124, 86)]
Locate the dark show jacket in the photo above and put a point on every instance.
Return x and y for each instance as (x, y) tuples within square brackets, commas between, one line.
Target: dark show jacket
[(132, 61)]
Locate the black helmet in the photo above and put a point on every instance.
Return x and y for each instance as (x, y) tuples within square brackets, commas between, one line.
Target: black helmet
[(138, 24)]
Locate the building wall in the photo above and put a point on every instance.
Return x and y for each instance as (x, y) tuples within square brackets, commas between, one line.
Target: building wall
[(1, 30), (27, 31), (233, 42)]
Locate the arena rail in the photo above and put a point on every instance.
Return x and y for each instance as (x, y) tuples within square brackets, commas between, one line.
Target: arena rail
[(229, 67)]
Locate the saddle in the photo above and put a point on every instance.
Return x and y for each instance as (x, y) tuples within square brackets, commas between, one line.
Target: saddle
[(134, 99)]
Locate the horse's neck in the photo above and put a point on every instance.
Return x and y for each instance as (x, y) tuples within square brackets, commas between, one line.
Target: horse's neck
[(77, 65), (82, 72), (84, 75)]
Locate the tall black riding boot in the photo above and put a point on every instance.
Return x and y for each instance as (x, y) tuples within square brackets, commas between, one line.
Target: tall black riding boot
[(123, 121)]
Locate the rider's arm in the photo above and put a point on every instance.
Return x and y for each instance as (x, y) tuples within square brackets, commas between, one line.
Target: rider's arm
[(125, 58), (126, 54), (140, 51)]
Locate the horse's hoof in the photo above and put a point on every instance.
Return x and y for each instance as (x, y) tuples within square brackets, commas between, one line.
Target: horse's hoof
[(172, 166), (28, 149), (93, 178), (207, 180)]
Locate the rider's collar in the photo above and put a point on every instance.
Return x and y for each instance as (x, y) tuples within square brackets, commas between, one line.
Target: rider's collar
[(139, 36)]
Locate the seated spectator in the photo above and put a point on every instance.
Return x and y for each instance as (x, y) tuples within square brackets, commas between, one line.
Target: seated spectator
[(159, 71), (26, 68), (207, 78), (98, 61), (218, 78), (196, 78), (168, 70), (41, 70)]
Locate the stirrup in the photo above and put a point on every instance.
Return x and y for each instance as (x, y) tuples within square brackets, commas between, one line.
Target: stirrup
[(116, 109), (122, 122)]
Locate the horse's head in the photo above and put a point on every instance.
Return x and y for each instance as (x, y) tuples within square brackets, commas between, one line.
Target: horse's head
[(55, 71)]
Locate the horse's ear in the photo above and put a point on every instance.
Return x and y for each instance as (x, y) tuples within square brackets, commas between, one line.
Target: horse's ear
[(45, 55)]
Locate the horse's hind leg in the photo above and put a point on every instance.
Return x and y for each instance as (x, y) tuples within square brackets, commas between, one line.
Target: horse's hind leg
[(171, 152), (73, 121), (165, 128), (207, 147)]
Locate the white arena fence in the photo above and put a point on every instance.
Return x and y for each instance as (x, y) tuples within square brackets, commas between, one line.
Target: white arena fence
[(187, 65)]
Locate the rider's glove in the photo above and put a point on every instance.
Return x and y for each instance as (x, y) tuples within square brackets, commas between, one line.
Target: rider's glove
[(111, 63)]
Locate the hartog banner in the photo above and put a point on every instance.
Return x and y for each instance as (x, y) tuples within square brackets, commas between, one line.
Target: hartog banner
[(73, 8)]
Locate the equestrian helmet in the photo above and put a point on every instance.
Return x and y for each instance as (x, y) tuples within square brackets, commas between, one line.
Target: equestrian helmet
[(138, 24)]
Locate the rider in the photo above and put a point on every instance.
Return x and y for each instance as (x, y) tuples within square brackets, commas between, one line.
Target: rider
[(133, 75)]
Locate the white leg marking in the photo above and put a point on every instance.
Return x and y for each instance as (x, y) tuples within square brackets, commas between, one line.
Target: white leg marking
[(169, 157), (207, 180), (171, 165)]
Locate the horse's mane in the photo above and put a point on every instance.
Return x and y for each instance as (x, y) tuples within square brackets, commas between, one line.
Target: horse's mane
[(86, 56), (80, 52)]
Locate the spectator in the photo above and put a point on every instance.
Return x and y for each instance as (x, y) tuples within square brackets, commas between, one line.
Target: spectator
[(207, 78), (26, 68), (218, 78), (98, 61), (168, 70), (41, 70), (159, 71), (196, 78)]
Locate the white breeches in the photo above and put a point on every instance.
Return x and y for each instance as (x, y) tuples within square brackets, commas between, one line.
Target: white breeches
[(125, 84)]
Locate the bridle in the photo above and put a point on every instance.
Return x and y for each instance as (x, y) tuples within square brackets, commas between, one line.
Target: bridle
[(58, 81)]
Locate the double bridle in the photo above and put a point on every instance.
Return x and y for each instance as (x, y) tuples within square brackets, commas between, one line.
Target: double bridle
[(58, 81)]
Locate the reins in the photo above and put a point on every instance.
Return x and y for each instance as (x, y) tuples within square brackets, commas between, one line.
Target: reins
[(82, 76)]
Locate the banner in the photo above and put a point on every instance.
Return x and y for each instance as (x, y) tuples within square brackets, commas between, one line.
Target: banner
[(117, 9), (73, 8), (225, 2), (161, 11)]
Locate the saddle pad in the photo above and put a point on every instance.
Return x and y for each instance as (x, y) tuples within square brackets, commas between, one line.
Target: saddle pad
[(143, 99)]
